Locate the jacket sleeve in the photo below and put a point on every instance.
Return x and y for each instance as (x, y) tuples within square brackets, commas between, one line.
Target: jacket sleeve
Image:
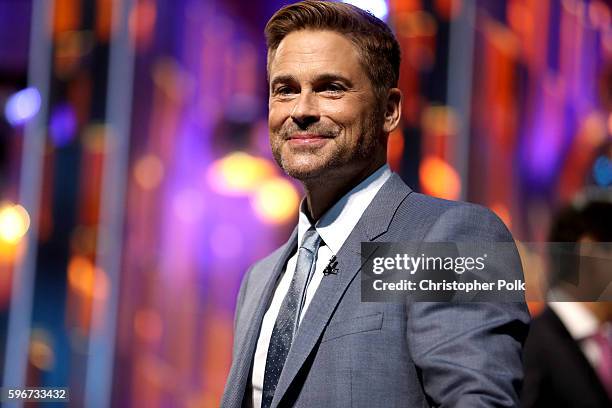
[(469, 354)]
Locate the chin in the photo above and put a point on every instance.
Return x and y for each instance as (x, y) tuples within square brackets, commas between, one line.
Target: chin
[(303, 173)]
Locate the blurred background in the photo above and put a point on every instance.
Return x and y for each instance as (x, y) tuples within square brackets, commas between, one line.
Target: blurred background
[(137, 185)]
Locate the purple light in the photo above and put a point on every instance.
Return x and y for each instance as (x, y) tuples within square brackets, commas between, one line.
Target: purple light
[(22, 106), (62, 125)]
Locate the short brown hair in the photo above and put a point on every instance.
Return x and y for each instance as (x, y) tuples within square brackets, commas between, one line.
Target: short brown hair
[(378, 48)]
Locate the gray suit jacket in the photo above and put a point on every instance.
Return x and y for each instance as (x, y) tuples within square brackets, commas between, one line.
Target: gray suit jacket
[(349, 353)]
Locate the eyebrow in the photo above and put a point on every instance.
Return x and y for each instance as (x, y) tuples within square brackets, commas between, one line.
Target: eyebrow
[(327, 77), (281, 79)]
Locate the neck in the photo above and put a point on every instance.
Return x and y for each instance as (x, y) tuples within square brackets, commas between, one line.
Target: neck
[(322, 194)]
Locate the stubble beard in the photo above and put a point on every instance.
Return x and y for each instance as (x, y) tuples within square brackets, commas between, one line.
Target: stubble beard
[(342, 160)]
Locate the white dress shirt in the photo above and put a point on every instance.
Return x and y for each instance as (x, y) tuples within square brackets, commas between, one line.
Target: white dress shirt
[(582, 325), (334, 227)]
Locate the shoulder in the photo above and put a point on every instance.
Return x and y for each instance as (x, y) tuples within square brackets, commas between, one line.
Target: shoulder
[(439, 219)]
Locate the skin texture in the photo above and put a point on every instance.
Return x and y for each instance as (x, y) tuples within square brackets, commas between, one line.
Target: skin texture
[(327, 128)]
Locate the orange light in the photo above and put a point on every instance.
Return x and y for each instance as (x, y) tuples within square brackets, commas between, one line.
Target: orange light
[(142, 23), (448, 9), (148, 172), (239, 173), (439, 178), (66, 16), (86, 279), (502, 212), (41, 354), (275, 201), (81, 274), (14, 223), (395, 148)]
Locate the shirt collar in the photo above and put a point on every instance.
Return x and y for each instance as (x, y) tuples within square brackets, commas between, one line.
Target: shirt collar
[(338, 222), (577, 319)]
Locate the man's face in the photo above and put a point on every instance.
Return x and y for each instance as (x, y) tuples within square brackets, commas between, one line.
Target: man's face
[(324, 119)]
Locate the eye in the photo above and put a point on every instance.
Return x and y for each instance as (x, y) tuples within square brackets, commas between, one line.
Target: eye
[(333, 88), (284, 90)]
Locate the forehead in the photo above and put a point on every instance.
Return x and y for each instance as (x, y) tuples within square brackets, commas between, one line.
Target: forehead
[(310, 52)]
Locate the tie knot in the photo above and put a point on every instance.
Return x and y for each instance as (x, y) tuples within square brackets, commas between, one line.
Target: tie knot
[(311, 240)]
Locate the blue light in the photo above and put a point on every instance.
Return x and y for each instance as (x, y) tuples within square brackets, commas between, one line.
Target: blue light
[(602, 171), (62, 125), (377, 7), (22, 106)]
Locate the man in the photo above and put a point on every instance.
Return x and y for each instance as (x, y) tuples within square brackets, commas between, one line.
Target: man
[(568, 353), (333, 72)]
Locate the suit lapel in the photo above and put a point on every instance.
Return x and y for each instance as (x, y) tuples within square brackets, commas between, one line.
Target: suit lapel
[(256, 307), (374, 223)]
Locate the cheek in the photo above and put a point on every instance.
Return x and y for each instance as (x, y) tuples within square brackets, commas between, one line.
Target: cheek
[(277, 114)]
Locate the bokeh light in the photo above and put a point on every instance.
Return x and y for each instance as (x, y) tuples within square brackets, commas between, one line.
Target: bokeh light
[(62, 124), (439, 178), (377, 7), (276, 201), (86, 279), (503, 213), (14, 223), (602, 171), (22, 106), (239, 173), (41, 351), (149, 171)]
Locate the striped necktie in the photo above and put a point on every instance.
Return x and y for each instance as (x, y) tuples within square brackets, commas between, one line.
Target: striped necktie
[(285, 327)]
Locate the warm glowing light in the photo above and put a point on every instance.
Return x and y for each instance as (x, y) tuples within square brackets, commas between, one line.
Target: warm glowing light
[(417, 24), (439, 178), (81, 274), (440, 120), (86, 279), (148, 172), (276, 201), (14, 223), (22, 106), (377, 7), (142, 23), (239, 173), (395, 149), (503, 213), (41, 353), (448, 9)]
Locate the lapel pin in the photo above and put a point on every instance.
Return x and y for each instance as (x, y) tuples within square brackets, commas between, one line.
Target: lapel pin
[(332, 267)]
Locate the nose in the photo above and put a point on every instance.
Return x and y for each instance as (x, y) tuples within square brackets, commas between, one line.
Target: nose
[(306, 111)]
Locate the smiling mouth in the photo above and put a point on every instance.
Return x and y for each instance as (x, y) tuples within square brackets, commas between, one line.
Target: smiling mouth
[(307, 139)]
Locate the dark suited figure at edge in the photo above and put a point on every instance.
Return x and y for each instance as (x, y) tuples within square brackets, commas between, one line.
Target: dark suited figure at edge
[(302, 335), (568, 353)]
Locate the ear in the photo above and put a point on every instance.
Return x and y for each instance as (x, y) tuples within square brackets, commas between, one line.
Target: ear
[(393, 110)]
